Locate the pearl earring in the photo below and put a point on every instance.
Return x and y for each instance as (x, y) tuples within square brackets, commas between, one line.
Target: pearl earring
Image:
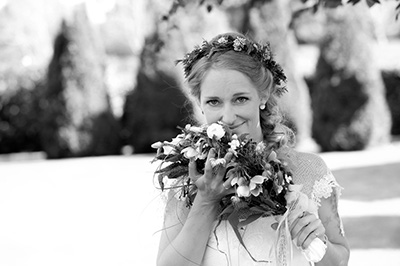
[(262, 106)]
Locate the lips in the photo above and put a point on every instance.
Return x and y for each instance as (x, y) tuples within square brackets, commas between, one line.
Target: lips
[(236, 126)]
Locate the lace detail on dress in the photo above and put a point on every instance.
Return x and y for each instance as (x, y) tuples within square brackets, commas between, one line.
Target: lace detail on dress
[(326, 187), (323, 188), (318, 181)]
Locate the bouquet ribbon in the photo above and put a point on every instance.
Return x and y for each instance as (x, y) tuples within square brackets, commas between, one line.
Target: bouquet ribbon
[(298, 202), (283, 247)]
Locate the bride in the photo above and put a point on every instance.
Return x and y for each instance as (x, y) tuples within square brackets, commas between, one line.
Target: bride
[(236, 81)]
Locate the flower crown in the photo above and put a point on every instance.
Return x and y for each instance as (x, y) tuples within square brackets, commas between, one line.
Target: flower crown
[(226, 43)]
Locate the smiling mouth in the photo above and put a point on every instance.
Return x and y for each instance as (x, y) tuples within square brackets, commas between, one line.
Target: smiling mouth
[(236, 126)]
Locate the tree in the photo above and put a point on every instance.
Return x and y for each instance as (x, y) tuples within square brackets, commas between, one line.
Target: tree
[(348, 94), (25, 47), (76, 114), (155, 108)]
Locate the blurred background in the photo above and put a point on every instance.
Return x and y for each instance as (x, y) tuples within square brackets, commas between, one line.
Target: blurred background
[(87, 86)]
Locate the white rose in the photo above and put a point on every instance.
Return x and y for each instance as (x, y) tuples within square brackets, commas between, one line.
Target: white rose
[(215, 130)]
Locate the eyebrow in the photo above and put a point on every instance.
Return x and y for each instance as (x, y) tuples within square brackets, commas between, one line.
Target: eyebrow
[(241, 93), (234, 95)]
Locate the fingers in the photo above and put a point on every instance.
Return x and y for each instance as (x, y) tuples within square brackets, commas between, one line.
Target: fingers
[(214, 173), (217, 166), (305, 229), (208, 167), (318, 233)]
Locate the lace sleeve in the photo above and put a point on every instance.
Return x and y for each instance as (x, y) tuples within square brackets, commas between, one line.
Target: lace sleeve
[(324, 187), (318, 183)]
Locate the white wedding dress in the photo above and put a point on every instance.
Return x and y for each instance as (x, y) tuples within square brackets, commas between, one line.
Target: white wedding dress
[(260, 236)]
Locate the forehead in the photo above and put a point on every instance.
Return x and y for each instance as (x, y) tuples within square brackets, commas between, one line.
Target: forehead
[(226, 82)]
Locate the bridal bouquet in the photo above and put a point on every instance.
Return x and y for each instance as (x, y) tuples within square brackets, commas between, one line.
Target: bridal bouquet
[(262, 180)]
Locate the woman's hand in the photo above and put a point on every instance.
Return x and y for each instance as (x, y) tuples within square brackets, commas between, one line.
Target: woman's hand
[(211, 185), (306, 228)]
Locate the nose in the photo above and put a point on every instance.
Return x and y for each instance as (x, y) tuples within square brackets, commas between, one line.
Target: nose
[(228, 115)]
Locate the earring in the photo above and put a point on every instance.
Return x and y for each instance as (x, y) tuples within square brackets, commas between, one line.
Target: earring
[(262, 106)]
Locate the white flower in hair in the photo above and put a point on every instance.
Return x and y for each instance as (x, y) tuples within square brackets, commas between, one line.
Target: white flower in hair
[(238, 44), (222, 40)]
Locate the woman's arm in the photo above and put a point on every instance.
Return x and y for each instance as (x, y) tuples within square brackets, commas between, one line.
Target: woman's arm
[(183, 242), (308, 226), (338, 251)]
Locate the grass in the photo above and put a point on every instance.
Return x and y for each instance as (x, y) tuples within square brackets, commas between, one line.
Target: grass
[(373, 232), (370, 183)]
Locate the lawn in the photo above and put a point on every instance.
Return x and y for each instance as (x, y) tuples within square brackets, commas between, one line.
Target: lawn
[(371, 182)]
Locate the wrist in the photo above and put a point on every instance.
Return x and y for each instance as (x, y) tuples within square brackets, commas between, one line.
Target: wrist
[(205, 201), (205, 205)]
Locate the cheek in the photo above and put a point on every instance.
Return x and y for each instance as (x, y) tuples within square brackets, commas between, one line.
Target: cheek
[(251, 114), (211, 117)]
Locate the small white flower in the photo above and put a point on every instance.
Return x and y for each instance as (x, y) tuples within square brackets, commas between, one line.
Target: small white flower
[(156, 145), (222, 40), (238, 44), (175, 141), (243, 191), (279, 189), (235, 199), (168, 150), (217, 162), (288, 178), (234, 143), (255, 184), (238, 180), (260, 147), (215, 130), (190, 152), (168, 147), (195, 129)]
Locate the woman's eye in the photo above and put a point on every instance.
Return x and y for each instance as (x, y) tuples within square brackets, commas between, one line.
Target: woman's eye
[(241, 100), (213, 102)]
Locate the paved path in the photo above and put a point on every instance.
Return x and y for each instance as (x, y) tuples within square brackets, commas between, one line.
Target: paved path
[(103, 211)]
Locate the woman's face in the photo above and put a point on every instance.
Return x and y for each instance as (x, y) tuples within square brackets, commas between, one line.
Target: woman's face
[(230, 97)]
